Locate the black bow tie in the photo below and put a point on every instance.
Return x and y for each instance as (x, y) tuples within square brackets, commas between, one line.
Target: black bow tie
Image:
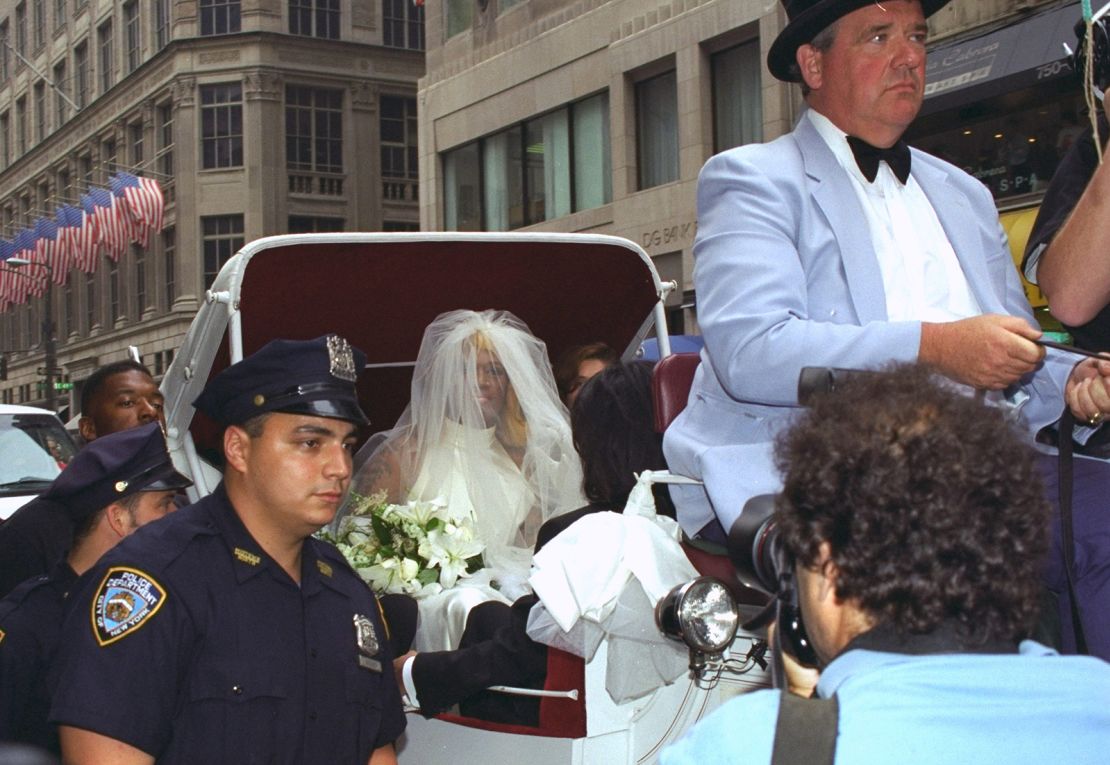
[(868, 158)]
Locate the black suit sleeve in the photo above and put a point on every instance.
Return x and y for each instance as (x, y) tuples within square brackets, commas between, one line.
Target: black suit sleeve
[(495, 650)]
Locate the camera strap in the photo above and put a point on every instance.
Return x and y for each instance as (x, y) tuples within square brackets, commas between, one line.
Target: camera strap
[(806, 730)]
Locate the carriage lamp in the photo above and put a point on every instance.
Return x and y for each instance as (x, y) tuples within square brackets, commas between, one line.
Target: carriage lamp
[(702, 614)]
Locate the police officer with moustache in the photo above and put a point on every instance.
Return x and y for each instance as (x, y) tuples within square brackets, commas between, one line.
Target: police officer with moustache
[(227, 634), (114, 486)]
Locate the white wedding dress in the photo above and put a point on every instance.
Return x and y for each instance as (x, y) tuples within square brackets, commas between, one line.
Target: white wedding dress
[(443, 475)]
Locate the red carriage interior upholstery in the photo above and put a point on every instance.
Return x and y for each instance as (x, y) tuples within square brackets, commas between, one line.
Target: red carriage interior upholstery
[(670, 386)]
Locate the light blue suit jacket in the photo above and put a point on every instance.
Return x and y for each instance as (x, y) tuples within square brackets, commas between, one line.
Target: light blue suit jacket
[(787, 277)]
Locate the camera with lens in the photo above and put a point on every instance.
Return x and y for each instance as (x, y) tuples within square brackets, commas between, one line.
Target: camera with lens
[(704, 615)]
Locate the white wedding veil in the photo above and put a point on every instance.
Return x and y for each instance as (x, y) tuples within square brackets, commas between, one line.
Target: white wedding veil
[(443, 446)]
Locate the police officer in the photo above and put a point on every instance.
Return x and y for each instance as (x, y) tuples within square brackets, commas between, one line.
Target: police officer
[(115, 485), (228, 634)]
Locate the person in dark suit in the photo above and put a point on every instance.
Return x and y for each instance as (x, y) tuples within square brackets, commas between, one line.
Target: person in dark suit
[(613, 432)]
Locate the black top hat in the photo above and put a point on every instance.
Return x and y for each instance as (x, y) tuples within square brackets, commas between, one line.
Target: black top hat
[(113, 467), (806, 20), (314, 377)]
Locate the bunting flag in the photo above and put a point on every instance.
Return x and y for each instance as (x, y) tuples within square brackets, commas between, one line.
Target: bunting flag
[(111, 230), (103, 221), (88, 239)]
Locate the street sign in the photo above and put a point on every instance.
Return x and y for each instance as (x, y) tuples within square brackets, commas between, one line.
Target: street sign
[(44, 371), (63, 386)]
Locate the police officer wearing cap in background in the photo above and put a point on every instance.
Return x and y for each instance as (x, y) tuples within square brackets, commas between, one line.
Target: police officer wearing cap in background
[(117, 396), (227, 634), (115, 485)]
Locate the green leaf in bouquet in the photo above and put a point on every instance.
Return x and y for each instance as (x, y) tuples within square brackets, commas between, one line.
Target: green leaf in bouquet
[(433, 524), (427, 576), (382, 530), (474, 564)]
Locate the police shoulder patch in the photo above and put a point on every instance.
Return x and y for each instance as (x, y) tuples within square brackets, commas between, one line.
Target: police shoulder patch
[(125, 600)]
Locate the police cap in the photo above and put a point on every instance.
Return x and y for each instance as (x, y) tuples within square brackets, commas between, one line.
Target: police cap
[(113, 467), (314, 377)]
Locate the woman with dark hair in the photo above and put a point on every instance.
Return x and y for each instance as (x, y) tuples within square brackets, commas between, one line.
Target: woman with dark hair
[(612, 424), (578, 364), (613, 428)]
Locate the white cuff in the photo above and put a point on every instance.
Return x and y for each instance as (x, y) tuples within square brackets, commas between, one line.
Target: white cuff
[(410, 687)]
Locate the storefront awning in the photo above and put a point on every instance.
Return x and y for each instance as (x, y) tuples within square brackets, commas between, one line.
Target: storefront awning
[(1028, 52)]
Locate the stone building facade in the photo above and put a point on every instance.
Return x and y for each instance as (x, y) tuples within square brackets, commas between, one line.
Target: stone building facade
[(257, 117)]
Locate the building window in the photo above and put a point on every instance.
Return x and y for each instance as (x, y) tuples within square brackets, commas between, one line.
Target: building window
[(314, 18), (460, 15), (305, 224), (85, 168), (64, 185), (5, 140), (81, 81), (135, 141), (139, 260), (113, 292), (69, 308), (314, 129), (165, 150), (21, 126), (592, 170), (221, 116), (40, 110), (133, 35), (222, 238), (169, 265), (5, 62), (219, 17), (109, 157), (59, 14), (107, 62), (541, 169), (657, 130), (403, 24), (20, 32), (61, 108), (38, 22), (90, 301), (161, 24), (737, 97), (398, 137)]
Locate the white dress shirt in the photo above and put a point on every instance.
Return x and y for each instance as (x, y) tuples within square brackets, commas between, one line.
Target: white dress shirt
[(922, 277)]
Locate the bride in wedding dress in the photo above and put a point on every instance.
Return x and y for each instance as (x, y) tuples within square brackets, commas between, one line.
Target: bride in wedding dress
[(486, 433)]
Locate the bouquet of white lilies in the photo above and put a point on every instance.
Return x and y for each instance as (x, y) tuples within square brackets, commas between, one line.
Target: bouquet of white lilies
[(418, 548)]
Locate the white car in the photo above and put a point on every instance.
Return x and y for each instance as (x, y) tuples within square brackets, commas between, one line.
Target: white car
[(34, 447)]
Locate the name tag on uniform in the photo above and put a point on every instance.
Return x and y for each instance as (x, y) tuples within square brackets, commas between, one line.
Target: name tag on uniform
[(366, 638)]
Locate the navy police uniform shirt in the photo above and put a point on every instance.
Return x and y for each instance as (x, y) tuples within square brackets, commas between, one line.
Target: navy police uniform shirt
[(190, 643), (30, 619)]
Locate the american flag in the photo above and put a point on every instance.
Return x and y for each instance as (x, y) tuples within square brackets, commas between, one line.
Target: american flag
[(112, 228), (25, 283), (87, 241), (145, 203), (69, 226), (48, 249)]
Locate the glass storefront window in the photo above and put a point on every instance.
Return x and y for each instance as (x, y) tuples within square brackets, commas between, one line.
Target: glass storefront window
[(1012, 145)]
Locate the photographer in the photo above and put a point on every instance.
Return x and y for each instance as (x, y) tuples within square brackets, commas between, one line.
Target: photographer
[(919, 528)]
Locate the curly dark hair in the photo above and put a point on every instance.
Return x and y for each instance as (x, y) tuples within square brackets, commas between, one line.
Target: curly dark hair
[(928, 499), (614, 433)]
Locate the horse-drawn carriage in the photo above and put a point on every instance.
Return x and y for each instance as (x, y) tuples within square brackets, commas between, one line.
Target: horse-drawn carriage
[(380, 291)]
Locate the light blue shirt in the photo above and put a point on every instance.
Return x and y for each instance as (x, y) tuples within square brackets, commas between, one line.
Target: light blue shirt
[(1030, 708)]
